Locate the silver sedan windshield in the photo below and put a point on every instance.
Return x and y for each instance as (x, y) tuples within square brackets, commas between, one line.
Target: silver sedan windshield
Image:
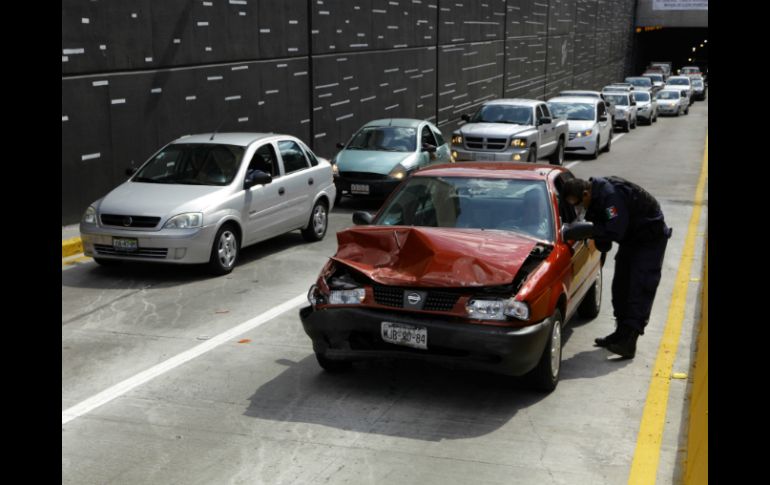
[(572, 111), (192, 164)]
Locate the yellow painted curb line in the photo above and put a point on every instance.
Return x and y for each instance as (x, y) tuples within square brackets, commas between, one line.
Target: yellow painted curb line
[(70, 247), (644, 468)]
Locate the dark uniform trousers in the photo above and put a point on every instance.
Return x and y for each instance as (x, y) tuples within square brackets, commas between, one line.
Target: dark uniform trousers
[(638, 267)]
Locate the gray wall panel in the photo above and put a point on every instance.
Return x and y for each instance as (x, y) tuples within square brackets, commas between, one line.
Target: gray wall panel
[(561, 17), (352, 89), (471, 21), (584, 53), (525, 67), (585, 17), (469, 74), (527, 18)]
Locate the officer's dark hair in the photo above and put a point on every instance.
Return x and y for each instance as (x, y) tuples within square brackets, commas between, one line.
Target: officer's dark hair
[(575, 188)]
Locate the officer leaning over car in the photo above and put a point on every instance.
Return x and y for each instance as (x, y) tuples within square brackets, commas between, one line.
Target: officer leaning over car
[(623, 212)]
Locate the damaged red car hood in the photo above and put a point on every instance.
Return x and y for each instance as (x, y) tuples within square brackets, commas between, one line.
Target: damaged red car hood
[(429, 256)]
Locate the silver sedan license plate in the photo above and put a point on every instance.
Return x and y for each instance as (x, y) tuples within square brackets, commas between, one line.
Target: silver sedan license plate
[(125, 244), (402, 334), (359, 189)]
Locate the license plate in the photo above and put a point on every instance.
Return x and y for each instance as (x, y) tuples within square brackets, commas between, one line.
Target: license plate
[(125, 244), (485, 157), (359, 189), (407, 335)]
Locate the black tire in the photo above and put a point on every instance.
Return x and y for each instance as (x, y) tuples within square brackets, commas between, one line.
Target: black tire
[(557, 158), (609, 143), (595, 154), (333, 366), (108, 262), (544, 377), (225, 250), (592, 302), (532, 154), (687, 111), (338, 197), (633, 125), (318, 222), (627, 127)]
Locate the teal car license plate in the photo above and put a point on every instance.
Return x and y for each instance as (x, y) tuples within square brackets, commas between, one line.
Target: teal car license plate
[(125, 244)]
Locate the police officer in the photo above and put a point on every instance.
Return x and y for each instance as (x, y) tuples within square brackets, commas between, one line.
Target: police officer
[(623, 212)]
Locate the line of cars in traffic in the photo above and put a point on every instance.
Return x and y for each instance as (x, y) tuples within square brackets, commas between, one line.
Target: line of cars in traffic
[(472, 258)]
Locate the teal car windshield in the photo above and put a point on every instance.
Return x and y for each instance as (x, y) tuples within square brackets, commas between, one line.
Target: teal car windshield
[(572, 111), (384, 138), (474, 203), (192, 164)]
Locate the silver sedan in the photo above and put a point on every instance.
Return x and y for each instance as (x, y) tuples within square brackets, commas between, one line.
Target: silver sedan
[(201, 198), (672, 102)]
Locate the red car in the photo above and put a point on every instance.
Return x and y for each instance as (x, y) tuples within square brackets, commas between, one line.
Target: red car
[(464, 262)]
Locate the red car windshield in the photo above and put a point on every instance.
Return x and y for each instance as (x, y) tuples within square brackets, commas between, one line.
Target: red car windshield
[(476, 203)]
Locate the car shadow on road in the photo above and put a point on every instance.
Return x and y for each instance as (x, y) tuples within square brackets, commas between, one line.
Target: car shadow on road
[(131, 275), (408, 399), (358, 203)]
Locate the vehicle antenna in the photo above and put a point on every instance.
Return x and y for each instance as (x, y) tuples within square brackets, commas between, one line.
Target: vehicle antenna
[(218, 127)]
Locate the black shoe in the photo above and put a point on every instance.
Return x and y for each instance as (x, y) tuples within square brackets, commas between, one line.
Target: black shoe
[(625, 344), (609, 339)]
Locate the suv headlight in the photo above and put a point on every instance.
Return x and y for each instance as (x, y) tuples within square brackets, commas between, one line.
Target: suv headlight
[(584, 133), (185, 221), (89, 216), (398, 173), (347, 297), (518, 143), (457, 140), (497, 309)]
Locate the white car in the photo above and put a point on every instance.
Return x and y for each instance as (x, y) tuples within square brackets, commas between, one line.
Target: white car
[(683, 83), (625, 108), (590, 126), (646, 106), (672, 102), (202, 198)]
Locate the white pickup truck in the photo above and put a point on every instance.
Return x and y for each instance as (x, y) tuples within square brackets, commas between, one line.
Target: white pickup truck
[(511, 130)]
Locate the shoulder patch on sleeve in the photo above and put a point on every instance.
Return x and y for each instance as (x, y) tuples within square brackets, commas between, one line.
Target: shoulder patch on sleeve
[(612, 212)]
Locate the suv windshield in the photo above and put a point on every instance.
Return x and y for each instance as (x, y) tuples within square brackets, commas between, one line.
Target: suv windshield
[(655, 77), (473, 203), (500, 113), (572, 111), (668, 95), (642, 82), (682, 81), (642, 96), (617, 99), (384, 138), (192, 164)]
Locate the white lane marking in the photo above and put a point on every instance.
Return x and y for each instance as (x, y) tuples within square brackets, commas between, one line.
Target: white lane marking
[(133, 382), (614, 138)]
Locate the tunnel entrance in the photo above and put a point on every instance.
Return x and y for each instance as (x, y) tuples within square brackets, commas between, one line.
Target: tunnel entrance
[(681, 46)]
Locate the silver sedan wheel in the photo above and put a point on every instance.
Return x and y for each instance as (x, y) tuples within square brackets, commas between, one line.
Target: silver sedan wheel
[(555, 349), (320, 219), (227, 249)]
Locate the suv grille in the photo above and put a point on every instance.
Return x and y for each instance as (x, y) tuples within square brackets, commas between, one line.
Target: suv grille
[(129, 221), (479, 143)]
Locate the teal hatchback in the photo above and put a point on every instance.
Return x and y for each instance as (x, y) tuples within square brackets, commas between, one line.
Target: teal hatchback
[(383, 153)]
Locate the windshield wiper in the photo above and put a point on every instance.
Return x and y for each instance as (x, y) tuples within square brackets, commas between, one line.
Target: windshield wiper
[(148, 180)]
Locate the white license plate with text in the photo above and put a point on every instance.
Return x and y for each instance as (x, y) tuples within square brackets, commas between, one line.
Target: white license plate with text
[(402, 334), (359, 189)]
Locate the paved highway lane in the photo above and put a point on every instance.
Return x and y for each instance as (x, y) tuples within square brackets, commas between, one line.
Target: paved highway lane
[(258, 409)]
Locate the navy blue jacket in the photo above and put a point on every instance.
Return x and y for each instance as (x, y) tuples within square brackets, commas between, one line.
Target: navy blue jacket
[(623, 212)]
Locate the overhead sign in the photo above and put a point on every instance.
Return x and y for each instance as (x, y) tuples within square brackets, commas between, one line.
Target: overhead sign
[(680, 4)]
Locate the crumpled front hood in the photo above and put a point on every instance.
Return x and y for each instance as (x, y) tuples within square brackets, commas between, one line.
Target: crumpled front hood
[(433, 257), (159, 200), (499, 130)]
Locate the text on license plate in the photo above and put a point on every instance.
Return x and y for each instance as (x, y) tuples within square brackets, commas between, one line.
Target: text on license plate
[(402, 334), (125, 244), (359, 188)]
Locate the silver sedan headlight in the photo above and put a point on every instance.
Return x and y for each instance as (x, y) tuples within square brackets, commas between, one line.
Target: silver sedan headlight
[(398, 173), (482, 309), (185, 221), (89, 217)]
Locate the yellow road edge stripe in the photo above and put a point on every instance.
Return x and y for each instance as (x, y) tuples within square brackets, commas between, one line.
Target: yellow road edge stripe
[(70, 247), (72, 261), (644, 468)]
